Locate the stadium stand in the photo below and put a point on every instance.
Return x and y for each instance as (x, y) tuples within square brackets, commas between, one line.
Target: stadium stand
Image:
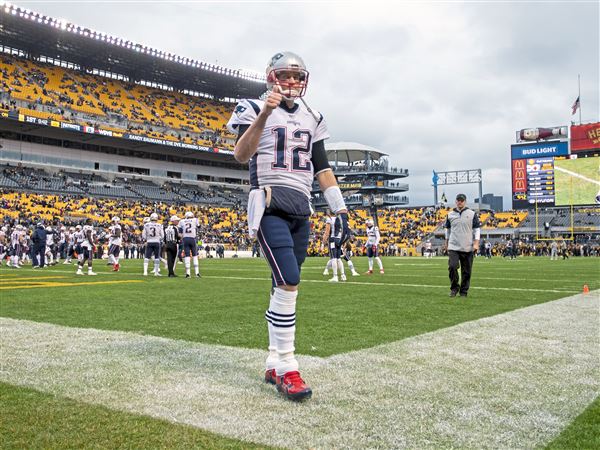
[(52, 92)]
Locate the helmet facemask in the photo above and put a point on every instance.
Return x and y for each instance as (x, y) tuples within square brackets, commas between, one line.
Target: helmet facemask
[(292, 82), (280, 70)]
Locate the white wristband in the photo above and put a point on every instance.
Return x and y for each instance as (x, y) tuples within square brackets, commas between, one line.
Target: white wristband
[(334, 198)]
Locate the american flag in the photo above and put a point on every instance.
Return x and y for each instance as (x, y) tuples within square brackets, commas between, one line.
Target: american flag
[(575, 106)]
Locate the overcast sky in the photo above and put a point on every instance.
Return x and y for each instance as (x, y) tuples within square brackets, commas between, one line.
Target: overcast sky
[(439, 86)]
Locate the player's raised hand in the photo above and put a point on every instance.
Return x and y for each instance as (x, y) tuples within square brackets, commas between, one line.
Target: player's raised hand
[(273, 100)]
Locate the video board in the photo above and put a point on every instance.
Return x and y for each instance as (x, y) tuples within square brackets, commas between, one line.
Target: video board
[(577, 181), (533, 172)]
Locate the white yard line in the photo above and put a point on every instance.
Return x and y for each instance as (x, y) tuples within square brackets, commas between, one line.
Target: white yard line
[(513, 380), (577, 175)]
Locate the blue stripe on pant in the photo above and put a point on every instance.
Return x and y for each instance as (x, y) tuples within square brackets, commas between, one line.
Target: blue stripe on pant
[(284, 242)]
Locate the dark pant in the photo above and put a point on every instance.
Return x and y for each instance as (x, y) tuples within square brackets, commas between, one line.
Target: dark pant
[(284, 242), (39, 255), (171, 255), (465, 260)]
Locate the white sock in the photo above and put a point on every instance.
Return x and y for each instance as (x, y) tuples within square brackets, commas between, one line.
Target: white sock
[(90, 269), (282, 316), (370, 263), (379, 263), (351, 266), (157, 265), (146, 261), (195, 260), (334, 267), (111, 259), (187, 264), (340, 266), (328, 266), (116, 259)]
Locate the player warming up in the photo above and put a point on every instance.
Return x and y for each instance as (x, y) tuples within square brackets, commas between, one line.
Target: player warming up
[(188, 227), (372, 243), (282, 141), (114, 243), (153, 234)]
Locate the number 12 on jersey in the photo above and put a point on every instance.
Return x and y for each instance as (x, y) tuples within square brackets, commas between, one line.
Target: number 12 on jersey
[(299, 154)]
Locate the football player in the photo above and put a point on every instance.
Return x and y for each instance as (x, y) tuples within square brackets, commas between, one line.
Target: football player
[(3, 242), (373, 237), (282, 140), (335, 240), (153, 234), (16, 243), (114, 243), (87, 248), (188, 227)]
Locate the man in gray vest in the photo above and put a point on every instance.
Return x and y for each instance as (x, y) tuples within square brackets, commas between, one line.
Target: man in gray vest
[(462, 241)]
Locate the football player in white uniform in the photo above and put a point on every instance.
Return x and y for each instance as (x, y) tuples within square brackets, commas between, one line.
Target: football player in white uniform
[(114, 243), (3, 243), (188, 227), (335, 240), (373, 237), (153, 234), (87, 248), (282, 140), (16, 243)]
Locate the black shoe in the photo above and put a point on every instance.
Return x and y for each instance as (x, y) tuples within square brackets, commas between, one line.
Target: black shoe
[(463, 294), (187, 275), (198, 275), (452, 294)]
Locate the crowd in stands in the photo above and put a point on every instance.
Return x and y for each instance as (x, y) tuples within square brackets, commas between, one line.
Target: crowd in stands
[(402, 230), (49, 91)]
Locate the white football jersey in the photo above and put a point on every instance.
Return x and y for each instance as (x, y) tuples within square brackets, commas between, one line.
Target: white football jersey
[(15, 237), (283, 157), (87, 229), (114, 240), (153, 232), (372, 235), (78, 237), (189, 227), (49, 238)]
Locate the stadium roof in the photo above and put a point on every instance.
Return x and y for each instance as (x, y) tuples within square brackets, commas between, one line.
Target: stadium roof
[(351, 151), (38, 35)]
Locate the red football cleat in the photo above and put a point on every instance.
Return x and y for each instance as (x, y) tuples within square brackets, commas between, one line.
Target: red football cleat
[(116, 268), (381, 272), (369, 272), (270, 376), (293, 386)]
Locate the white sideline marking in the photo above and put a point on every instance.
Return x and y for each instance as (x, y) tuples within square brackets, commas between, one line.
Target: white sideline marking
[(513, 380), (365, 283), (577, 175)]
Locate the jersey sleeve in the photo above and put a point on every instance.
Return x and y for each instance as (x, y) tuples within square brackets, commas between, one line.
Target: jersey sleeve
[(244, 114), (321, 132)]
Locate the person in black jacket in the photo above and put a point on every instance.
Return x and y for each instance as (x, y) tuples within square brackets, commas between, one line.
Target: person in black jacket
[(172, 240), (38, 239)]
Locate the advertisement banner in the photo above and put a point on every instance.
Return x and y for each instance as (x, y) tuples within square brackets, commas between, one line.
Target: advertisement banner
[(539, 149), (133, 137), (585, 137)]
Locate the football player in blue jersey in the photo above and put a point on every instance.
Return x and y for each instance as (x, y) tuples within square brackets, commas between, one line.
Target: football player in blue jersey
[(282, 140)]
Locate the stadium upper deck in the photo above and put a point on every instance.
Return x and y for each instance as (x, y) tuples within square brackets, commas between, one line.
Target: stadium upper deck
[(55, 73)]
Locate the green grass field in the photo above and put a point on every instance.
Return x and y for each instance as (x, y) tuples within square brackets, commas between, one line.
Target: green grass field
[(577, 190), (226, 307)]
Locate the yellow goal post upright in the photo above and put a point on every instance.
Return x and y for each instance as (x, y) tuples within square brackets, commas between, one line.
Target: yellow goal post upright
[(571, 228)]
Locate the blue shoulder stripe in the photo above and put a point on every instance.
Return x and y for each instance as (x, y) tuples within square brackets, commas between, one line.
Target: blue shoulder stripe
[(254, 107), (320, 119)]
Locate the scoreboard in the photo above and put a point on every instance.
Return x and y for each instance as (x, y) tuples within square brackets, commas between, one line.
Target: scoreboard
[(533, 172)]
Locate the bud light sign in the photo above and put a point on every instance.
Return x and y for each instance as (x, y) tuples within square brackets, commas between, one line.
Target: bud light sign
[(539, 149)]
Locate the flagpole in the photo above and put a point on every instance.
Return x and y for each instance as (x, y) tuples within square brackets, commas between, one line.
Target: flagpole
[(579, 97)]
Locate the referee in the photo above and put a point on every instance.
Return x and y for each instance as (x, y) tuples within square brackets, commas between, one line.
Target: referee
[(462, 242), (172, 242)]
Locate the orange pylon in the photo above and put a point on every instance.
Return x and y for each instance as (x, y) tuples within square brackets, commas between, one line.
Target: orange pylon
[(586, 289)]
